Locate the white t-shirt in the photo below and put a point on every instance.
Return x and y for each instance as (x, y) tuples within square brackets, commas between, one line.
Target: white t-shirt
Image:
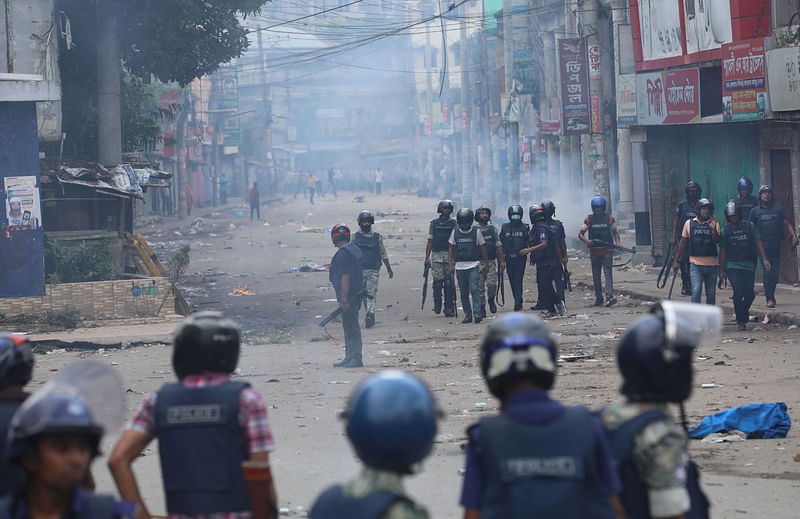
[(379, 176), (466, 265)]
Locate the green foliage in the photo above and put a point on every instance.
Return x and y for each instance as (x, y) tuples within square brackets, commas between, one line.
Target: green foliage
[(74, 265), (68, 317), (141, 115), (177, 264)]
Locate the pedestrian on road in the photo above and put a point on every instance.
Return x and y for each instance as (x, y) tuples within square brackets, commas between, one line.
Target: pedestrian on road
[(685, 211), (211, 430), (53, 438), (514, 237), (255, 202), (346, 275), (378, 181), (738, 243), (302, 179), (312, 186), (189, 200), (467, 249), (374, 252), (223, 189), (537, 458), (436, 254), (543, 253), (745, 201), (602, 229), (16, 369), (332, 181), (560, 237), (391, 424), (650, 450), (773, 226), (701, 235), (494, 251)]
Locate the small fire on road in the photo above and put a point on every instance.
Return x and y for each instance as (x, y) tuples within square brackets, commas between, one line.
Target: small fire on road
[(242, 290)]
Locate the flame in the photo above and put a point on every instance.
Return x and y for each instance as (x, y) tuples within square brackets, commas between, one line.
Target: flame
[(242, 290)]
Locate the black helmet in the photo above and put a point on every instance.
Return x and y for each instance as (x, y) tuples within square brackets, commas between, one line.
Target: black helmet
[(731, 209), (391, 420), (464, 217), (340, 232), (517, 347), (205, 341), (744, 183), (365, 216), (532, 209), (693, 190), (766, 188), (16, 360), (704, 202), (549, 208), (52, 413), (483, 207), (443, 204), (515, 212), (538, 214)]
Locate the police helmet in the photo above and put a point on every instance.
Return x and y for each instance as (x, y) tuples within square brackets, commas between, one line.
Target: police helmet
[(744, 183), (464, 217), (53, 413), (16, 360), (444, 204), (549, 208), (515, 212), (705, 202), (340, 232), (598, 204), (205, 341), (538, 214), (483, 207), (517, 347), (391, 420), (766, 188), (532, 209), (365, 217), (693, 189), (731, 209)]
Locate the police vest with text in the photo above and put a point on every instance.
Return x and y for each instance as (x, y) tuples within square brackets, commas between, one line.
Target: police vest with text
[(600, 227), (739, 243), (441, 233), (701, 241), (466, 247), (514, 238)]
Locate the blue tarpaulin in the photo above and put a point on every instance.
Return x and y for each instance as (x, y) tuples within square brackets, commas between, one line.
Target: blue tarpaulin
[(757, 420)]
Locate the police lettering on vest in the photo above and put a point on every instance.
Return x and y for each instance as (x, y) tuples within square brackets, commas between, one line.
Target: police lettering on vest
[(202, 447), (514, 238), (739, 243), (685, 212), (744, 205), (441, 233), (466, 247), (332, 502), (370, 247), (600, 227), (490, 237), (701, 242)]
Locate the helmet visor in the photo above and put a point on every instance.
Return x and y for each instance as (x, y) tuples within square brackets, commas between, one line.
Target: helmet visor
[(689, 324)]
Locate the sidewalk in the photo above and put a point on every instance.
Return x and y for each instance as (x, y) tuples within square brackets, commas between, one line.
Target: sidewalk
[(115, 332)]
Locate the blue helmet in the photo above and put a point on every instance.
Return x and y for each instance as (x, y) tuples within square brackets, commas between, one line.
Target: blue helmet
[(517, 347), (598, 204), (744, 183), (52, 413), (391, 420), (16, 360)]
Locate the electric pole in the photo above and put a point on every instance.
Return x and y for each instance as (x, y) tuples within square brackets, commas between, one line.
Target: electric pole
[(512, 126), (467, 172)]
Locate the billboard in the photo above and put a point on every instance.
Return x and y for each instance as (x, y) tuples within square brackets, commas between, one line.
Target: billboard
[(626, 100), (573, 67), (229, 101), (744, 81), (783, 72), (660, 23), (708, 24), (668, 97)]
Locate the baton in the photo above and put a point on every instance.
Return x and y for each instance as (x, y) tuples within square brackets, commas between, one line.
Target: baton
[(672, 285)]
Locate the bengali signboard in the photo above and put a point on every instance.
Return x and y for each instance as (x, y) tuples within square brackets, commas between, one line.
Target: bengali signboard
[(574, 85), (744, 81), (524, 70), (668, 97), (229, 101), (783, 72), (626, 100)]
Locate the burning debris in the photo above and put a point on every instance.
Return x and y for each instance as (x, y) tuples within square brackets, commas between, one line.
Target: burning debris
[(242, 290)]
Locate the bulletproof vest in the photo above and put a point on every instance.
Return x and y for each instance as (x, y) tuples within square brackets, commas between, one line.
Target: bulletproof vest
[(549, 251), (700, 241), (490, 236), (441, 233), (634, 494), (739, 243), (600, 227), (466, 247), (202, 447), (370, 247), (769, 225), (357, 257), (10, 475), (685, 212), (332, 503), (547, 468), (98, 506), (743, 205), (514, 238)]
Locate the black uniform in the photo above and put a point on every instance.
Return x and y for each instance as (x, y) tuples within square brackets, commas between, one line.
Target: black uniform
[(514, 237)]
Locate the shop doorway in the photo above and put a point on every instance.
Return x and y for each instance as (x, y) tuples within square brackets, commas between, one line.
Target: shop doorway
[(782, 182)]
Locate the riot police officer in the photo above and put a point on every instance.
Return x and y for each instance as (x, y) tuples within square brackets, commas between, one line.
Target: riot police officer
[(494, 251), (391, 423), (514, 237), (436, 251), (208, 427), (700, 236), (544, 253), (602, 231), (53, 438), (745, 201), (557, 230), (511, 467), (16, 369), (371, 245), (685, 211), (651, 451), (467, 255), (346, 276)]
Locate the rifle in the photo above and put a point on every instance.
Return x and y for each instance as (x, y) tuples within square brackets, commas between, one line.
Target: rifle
[(674, 275), (425, 284), (501, 284), (333, 315), (450, 283), (600, 243), (568, 281), (663, 276)]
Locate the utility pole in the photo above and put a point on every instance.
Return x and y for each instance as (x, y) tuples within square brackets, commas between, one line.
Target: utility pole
[(180, 156), (512, 126), (624, 159), (266, 144), (467, 172), (109, 114)]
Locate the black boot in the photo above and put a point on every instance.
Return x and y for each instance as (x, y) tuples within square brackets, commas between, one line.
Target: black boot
[(492, 306), (369, 321), (467, 319)]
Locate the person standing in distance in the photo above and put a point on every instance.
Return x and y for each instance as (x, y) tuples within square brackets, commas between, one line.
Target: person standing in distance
[(371, 245), (378, 181), (543, 253), (207, 427), (494, 251), (16, 370), (436, 254), (391, 423), (467, 249), (537, 458), (701, 235), (346, 275), (773, 226), (602, 228), (255, 202), (745, 201), (685, 211), (514, 237)]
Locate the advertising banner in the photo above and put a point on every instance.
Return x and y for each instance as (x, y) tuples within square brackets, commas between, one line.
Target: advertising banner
[(524, 71), (744, 81), (660, 22), (229, 100), (594, 62), (708, 24), (574, 85), (783, 72), (596, 126), (668, 97), (626, 100)]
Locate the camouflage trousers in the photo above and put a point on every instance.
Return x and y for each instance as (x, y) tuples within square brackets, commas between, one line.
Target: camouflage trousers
[(488, 280), (439, 264), (370, 284)]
